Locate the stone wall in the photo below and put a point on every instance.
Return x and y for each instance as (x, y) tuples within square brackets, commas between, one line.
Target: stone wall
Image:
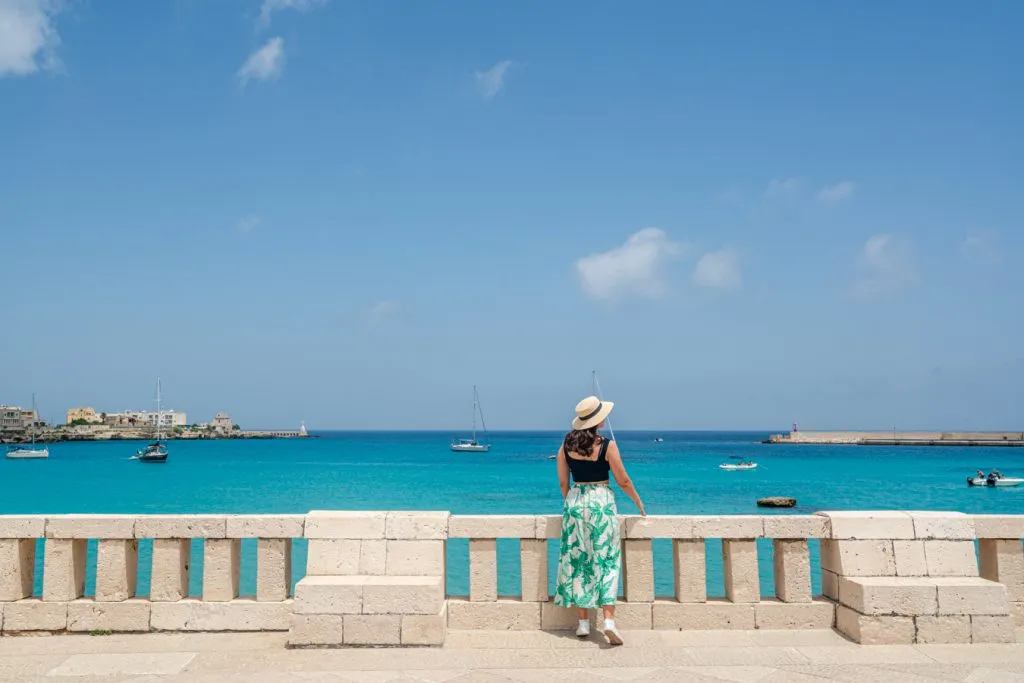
[(378, 578)]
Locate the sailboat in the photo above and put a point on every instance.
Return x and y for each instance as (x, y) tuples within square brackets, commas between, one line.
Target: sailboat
[(472, 445), (156, 451), (30, 452)]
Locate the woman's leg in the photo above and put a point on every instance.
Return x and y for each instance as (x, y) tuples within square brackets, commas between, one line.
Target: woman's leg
[(583, 614), (609, 611)]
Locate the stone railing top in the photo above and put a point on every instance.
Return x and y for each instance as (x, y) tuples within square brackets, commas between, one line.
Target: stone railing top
[(401, 525)]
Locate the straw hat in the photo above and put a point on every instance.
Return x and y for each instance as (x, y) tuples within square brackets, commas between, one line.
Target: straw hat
[(591, 412)]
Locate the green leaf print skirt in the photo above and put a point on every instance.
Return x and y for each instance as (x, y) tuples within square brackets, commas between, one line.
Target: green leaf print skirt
[(590, 551)]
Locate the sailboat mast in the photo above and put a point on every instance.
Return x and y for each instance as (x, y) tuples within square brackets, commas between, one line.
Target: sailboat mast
[(158, 423), (474, 413), (35, 418)]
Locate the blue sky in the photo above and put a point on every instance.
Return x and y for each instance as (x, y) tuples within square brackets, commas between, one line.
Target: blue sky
[(741, 214)]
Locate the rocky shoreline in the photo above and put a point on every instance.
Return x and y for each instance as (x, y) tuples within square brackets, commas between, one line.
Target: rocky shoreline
[(67, 434)]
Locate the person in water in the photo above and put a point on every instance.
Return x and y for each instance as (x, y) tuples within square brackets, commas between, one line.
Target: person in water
[(589, 553)]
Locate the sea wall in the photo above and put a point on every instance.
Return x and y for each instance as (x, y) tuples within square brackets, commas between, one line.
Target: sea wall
[(895, 438), (378, 578)]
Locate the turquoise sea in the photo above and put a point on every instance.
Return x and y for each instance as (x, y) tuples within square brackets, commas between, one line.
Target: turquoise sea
[(417, 471)]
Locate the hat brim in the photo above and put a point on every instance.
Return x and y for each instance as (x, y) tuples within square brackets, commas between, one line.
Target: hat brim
[(602, 415)]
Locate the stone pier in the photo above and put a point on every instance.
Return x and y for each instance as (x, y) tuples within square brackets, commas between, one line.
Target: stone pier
[(379, 578)]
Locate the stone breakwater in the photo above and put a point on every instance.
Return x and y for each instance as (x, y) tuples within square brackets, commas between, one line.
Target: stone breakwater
[(894, 438), (378, 578)]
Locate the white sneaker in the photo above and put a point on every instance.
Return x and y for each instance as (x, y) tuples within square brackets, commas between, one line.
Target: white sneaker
[(583, 629), (612, 633)]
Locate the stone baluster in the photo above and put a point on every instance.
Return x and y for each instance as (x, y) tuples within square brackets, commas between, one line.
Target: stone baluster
[(791, 553), (172, 548), (739, 553), (533, 562), (221, 569), (274, 534), (18, 555), (1001, 556), (638, 570), (690, 564), (483, 570)]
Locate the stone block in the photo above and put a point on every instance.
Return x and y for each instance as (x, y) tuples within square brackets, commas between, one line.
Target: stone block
[(729, 526), (265, 526), (951, 558), (35, 615), (739, 563), (658, 526), (129, 616), (169, 577), (493, 526), (631, 616), (989, 629), (1000, 560), (483, 570), (792, 567), (329, 595), (969, 595), (22, 526), (403, 595), (868, 630), (638, 570), (273, 569), (795, 526), (237, 615), (117, 569), (858, 557), (315, 630), (1017, 612), (712, 615), (416, 526), (501, 615), (90, 526), (415, 558), (999, 526), (350, 525), (17, 568), (373, 630), (888, 595), (909, 558), (870, 525), (690, 569), (333, 557), (947, 526), (555, 618), (774, 615), (221, 569), (533, 562), (63, 569), (373, 557), (548, 526), (943, 630), (181, 526), (425, 629), (830, 585)]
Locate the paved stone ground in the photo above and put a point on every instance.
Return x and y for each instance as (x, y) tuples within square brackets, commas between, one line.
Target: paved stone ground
[(500, 657)]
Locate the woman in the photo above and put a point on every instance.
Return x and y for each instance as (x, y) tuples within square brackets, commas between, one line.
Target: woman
[(590, 549)]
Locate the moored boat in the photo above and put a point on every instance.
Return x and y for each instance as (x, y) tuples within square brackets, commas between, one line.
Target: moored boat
[(30, 451), (738, 466), (471, 445), (997, 482), (155, 452)]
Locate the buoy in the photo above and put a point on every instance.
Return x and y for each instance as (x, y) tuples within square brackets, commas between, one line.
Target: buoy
[(776, 502)]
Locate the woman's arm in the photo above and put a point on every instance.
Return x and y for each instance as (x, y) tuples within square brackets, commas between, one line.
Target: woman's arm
[(622, 478), (563, 472)]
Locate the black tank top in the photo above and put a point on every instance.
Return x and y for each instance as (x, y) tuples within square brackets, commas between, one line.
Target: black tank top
[(589, 471)]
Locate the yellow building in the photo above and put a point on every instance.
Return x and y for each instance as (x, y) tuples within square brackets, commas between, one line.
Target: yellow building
[(87, 414)]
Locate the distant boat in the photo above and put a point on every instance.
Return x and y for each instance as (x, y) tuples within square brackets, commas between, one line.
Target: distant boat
[(999, 481), (156, 451), (472, 445), (658, 439), (30, 452), (738, 466)]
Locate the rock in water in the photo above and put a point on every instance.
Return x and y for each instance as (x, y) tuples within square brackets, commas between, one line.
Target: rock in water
[(776, 502)]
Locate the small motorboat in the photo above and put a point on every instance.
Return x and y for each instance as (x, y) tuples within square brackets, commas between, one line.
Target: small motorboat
[(994, 481), (553, 457), (659, 440), (738, 466)]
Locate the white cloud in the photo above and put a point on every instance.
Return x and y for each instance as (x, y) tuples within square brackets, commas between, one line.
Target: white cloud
[(633, 269), (886, 263), (268, 8), (265, 64), (248, 223), (719, 269), (839, 192), (382, 310), (492, 81), (28, 38), (782, 187), (981, 247)]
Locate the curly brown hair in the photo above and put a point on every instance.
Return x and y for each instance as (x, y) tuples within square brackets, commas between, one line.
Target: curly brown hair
[(581, 441)]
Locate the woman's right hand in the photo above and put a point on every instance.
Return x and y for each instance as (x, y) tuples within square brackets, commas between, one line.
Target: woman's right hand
[(643, 513)]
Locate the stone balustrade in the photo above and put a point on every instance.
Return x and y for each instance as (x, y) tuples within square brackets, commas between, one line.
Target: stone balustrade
[(379, 578)]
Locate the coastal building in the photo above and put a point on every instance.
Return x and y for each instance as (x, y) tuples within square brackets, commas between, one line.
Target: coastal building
[(84, 415), (221, 423), (16, 418), (146, 418)]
